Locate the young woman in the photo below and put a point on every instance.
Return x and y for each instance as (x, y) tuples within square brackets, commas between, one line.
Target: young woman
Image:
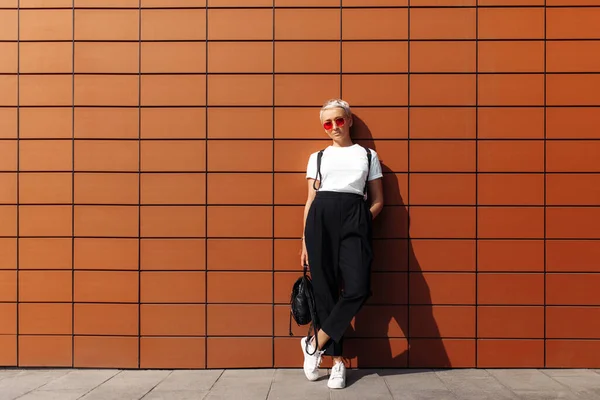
[(337, 236)]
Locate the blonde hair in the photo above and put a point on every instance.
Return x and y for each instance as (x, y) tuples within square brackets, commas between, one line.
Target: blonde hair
[(336, 103)]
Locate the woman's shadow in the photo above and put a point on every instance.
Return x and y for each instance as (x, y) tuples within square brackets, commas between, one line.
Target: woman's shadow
[(396, 327)]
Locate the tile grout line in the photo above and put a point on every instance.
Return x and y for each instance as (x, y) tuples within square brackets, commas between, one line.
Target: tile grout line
[(18, 195), (73, 186), (206, 141), (273, 194), (139, 206), (408, 173), (476, 361), (545, 360)]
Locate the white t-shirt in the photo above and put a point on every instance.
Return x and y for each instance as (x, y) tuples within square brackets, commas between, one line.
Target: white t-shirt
[(344, 169)]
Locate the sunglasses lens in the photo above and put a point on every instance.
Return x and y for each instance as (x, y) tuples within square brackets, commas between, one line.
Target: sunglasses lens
[(340, 122), (328, 125)]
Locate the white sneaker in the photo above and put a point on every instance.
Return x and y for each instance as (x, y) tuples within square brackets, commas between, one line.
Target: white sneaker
[(311, 363), (337, 378)]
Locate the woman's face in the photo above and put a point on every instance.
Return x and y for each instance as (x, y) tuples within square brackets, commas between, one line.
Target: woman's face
[(336, 123)]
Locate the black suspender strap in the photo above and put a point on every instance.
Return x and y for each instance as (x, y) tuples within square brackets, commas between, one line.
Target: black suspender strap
[(319, 157), (368, 170)]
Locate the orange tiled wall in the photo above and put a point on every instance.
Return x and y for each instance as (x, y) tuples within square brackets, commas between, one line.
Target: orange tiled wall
[(152, 157)]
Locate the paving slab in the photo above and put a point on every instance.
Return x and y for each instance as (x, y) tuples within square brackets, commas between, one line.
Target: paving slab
[(291, 384), (26, 381), (128, 385), (475, 384), (417, 384), (242, 384)]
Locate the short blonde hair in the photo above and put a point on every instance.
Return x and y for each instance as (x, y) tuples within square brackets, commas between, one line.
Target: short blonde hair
[(336, 103)]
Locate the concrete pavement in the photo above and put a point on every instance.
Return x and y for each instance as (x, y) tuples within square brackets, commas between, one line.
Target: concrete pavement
[(290, 384)]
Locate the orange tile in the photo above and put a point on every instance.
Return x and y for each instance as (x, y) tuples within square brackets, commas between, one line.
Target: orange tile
[(371, 24), (240, 90), (311, 3), (106, 188), (8, 220), (172, 3), (443, 90), (511, 23), (572, 322), (174, 24), (510, 189), (46, 3), (443, 23), (302, 57), (46, 123), (45, 319), (368, 353), (290, 188), (572, 23), (45, 90), (173, 221), (510, 255), (393, 154), (172, 352), (434, 3), (8, 249), (173, 156), (46, 57), (572, 89), (107, 24), (572, 353), (442, 189), (298, 123), (47, 286), (240, 221), (456, 353), (572, 156), (105, 352), (223, 123), (288, 221), (8, 122), (510, 123), (511, 90), (232, 254), (293, 155), (224, 320), (573, 56), (120, 221), (374, 57), (45, 253), (442, 321), (442, 288), (106, 287), (45, 220), (8, 188), (431, 156), (8, 284), (173, 90), (106, 90), (572, 255), (510, 56), (240, 3), (369, 3), (443, 56), (517, 288), (379, 123), (441, 255), (107, 57), (173, 319), (45, 351), (105, 319), (173, 287), (106, 155), (307, 24), (106, 123), (231, 188), (385, 90), (392, 223), (106, 3), (46, 155), (8, 320), (121, 254), (249, 24), (305, 90), (380, 321), (168, 123), (240, 57), (510, 322), (240, 156), (571, 222), (45, 25), (510, 222), (511, 156), (390, 255), (442, 123), (225, 352), (161, 57), (510, 353), (176, 254), (10, 25), (8, 347), (188, 188), (240, 287), (8, 90), (387, 287), (10, 61), (513, 2)]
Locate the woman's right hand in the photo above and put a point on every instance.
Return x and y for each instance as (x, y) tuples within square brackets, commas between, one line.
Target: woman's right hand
[(303, 255)]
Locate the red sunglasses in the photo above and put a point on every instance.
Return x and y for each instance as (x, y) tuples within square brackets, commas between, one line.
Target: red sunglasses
[(339, 121)]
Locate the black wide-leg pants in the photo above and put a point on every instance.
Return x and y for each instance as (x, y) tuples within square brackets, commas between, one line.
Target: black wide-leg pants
[(338, 237)]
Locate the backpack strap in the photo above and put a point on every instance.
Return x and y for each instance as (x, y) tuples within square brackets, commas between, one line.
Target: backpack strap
[(319, 157)]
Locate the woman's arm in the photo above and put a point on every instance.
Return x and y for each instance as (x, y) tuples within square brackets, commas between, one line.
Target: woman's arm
[(309, 200), (376, 195)]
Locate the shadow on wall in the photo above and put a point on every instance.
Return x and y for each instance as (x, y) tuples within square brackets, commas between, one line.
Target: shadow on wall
[(381, 344)]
